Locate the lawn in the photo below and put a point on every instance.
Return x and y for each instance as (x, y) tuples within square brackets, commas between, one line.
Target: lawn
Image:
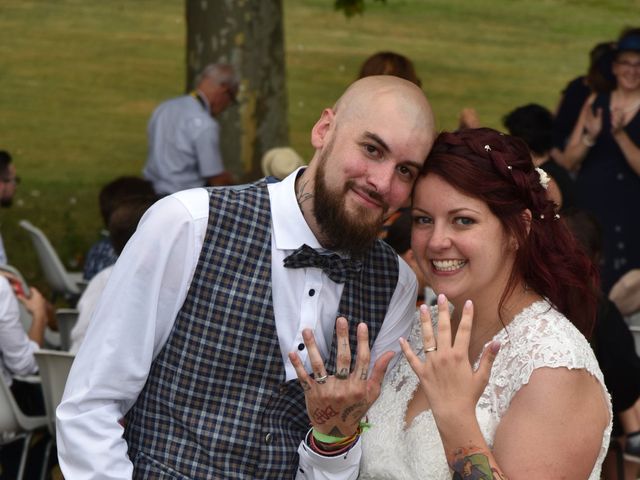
[(79, 79)]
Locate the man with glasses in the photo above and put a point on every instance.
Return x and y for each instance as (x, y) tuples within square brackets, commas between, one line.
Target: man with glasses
[(184, 136), (8, 182)]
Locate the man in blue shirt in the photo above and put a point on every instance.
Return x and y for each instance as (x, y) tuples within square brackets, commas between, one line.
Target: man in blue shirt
[(184, 146)]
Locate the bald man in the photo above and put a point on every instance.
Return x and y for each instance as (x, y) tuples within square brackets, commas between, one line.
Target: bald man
[(191, 339)]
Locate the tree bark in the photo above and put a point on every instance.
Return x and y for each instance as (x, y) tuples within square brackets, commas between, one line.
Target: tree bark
[(248, 34)]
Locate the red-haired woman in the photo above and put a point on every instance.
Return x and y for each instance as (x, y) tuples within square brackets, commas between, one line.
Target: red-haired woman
[(505, 386)]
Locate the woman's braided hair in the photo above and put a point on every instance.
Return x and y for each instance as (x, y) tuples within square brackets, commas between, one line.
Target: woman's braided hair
[(497, 169)]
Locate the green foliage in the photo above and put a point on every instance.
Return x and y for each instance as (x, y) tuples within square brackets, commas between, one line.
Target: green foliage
[(79, 79)]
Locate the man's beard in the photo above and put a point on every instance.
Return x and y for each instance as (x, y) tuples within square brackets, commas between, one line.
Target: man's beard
[(353, 233)]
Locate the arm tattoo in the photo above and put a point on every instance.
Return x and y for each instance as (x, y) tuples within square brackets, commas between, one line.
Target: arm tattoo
[(472, 464), (301, 195)]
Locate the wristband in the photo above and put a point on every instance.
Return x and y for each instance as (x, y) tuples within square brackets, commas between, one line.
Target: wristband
[(321, 437)]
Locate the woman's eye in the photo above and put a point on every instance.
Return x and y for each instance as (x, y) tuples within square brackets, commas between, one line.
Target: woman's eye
[(464, 221), (422, 220)]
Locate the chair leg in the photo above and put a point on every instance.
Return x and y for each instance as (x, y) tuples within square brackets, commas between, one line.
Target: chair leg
[(617, 449), (23, 457), (45, 459)]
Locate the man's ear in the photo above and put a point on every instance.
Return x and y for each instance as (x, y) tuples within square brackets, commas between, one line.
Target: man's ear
[(321, 128)]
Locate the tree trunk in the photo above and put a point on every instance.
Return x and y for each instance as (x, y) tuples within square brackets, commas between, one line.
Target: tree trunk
[(249, 35)]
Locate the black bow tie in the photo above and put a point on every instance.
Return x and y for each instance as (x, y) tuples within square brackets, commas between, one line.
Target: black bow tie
[(337, 268)]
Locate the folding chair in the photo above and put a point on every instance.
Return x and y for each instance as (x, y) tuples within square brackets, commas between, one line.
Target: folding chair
[(66, 318), (54, 369), (68, 284), (16, 425)]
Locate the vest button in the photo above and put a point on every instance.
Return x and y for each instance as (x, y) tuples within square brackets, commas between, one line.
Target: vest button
[(268, 438), (301, 346), (312, 292)]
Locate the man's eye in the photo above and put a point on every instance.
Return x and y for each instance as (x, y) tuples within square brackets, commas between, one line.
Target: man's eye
[(371, 150)]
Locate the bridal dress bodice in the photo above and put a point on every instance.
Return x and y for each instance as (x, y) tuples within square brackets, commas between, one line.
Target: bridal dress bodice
[(537, 337)]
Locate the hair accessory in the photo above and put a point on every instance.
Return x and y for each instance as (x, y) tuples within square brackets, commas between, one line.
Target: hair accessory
[(542, 216), (556, 216), (509, 167), (487, 148), (544, 178)]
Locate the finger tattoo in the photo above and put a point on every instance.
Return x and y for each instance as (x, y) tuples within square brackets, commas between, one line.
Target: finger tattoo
[(343, 374)]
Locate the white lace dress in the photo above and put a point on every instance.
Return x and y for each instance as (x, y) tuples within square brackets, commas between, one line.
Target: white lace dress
[(537, 337)]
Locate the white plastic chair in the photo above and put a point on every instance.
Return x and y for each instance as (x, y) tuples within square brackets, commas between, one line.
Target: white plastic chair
[(61, 281), (635, 331), (25, 316), (15, 425), (54, 366), (66, 318)]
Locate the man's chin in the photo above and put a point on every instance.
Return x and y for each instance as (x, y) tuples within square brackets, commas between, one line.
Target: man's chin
[(6, 202)]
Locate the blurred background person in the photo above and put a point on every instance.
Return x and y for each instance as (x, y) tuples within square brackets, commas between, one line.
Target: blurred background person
[(533, 123), (599, 79), (280, 161), (389, 63), (8, 182), (604, 149), (184, 136), (101, 254)]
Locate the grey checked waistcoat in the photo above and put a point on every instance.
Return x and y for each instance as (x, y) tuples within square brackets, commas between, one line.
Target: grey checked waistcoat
[(216, 403)]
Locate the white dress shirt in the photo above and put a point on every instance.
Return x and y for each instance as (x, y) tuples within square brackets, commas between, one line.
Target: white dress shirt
[(146, 290), (16, 348), (87, 305)]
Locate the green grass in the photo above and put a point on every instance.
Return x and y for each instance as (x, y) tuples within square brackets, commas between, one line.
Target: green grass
[(79, 79)]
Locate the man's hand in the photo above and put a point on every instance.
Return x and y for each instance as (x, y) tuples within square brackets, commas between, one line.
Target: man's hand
[(336, 403)]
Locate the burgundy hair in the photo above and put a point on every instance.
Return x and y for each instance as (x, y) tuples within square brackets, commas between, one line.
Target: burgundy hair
[(497, 169)]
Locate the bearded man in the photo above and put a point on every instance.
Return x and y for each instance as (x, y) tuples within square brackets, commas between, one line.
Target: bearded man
[(190, 342)]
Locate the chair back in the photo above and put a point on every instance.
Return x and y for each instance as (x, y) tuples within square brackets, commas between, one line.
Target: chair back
[(66, 319), (25, 316), (12, 420), (54, 368), (54, 271), (8, 420)]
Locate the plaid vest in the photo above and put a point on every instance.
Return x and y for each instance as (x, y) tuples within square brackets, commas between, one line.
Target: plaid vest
[(216, 403)]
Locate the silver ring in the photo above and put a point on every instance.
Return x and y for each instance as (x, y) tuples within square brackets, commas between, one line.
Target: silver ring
[(323, 379), (431, 349)]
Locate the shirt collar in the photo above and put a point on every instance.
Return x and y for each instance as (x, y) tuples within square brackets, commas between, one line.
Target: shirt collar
[(290, 229)]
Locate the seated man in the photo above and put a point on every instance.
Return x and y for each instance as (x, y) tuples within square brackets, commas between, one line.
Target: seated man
[(101, 253)]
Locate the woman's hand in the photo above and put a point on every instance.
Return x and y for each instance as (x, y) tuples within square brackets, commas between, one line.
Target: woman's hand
[(592, 121), (446, 375), (337, 403)]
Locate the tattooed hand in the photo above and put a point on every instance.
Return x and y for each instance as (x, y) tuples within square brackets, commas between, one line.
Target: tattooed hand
[(337, 403)]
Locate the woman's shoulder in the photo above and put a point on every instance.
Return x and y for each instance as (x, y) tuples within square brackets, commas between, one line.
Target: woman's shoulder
[(541, 336)]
